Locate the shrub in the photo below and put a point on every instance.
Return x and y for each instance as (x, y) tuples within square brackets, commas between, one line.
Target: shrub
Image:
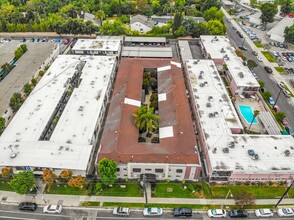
[(34, 81), (98, 187), (41, 73), (155, 140), (190, 187), (141, 139)]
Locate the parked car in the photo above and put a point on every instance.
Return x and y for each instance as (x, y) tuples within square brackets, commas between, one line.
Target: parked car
[(152, 212), (216, 213), (121, 211), (268, 69), (27, 206), (238, 214), (284, 121), (281, 85), (271, 100), (52, 209), (264, 213), (254, 74), (234, 28), (259, 58), (254, 53), (243, 48), (182, 212), (286, 212), (286, 93), (289, 130)]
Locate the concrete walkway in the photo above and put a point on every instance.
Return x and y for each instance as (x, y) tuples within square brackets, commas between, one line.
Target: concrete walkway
[(74, 201)]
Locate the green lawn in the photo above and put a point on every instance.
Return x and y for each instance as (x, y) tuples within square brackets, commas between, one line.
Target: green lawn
[(280, 69), (195, 206), (268, 56), (176, 190), (132, 190), (257, 191), (66, 190), (258, 44), (4, 186)]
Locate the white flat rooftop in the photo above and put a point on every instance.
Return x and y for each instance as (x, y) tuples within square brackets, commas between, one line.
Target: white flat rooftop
[(185, 50), (99, 44), (217, 128), (219, 47), (76, 125), (79, 118)]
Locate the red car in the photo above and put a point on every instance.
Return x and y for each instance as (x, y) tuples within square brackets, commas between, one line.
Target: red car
[(284, 121)]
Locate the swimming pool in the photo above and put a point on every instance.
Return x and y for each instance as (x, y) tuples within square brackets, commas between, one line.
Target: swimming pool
[(247, 113)]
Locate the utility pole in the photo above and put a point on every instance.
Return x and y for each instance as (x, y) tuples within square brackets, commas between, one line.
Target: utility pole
[(144, 183), (285, 193), (277, 98)]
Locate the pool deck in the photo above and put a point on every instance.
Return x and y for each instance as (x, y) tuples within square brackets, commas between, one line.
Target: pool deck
[(257, 105)]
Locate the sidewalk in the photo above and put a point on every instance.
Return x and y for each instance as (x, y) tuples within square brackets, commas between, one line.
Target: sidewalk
[(74, 201)]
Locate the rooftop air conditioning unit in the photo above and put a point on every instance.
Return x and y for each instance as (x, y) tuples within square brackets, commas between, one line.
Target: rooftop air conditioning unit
[(226, 150), (287, 153)]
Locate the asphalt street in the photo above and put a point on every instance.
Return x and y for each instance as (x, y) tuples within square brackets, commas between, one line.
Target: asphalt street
[(284, 103)]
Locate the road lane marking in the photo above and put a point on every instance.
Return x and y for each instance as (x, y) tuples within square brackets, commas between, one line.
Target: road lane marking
[(9, 217)]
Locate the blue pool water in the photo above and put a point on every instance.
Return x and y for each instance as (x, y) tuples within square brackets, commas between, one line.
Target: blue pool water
[(247, 113)]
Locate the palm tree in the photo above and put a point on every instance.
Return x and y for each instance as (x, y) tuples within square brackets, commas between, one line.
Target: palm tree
[(146, 119), (255, 114), (100, 15)]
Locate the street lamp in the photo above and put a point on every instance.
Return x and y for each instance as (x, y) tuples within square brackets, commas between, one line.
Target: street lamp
[(277, 98), (231, 195), (143, 184), (285, 193)]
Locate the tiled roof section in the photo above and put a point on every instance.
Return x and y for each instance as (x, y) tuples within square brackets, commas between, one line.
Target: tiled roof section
[(142, 19), (120, 137)]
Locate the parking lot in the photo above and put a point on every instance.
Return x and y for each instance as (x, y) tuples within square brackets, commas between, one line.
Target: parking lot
[(25, 67), (7, 51)]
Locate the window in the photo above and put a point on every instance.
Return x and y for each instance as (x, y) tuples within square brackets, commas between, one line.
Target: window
[(125, 169), (117, 169), (136, 170), (178, 176), (179, 171), (158, 170), (148, 169)]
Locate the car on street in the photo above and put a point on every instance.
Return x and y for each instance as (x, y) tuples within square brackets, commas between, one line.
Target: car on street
[(234, 28), (152, 212), (243, 48), (264, 213), (281, 85), (286, 93), (27, 206), (268, 69), (182, 212), (52, 209), (121, 211), (271, 100), (238, 213), (259, 58), (289, 130), (285, 212), (254, 53), (216, 213)]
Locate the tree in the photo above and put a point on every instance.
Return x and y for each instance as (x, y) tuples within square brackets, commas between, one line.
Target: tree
[(24, 47), (286, 6), (41, 73), (18, 53), (289, 34), (251, 64), (255, 114), (27, 89), (244, 198), (6, 67), (261, 83), (49, 177), (239, 53), (213, 14), (100, 15), (154, 101), (78, 181), (280, 116), (267, 94), (2, 124), (177, 21), (23, 182), (207, 4), (253, 3), (16, 102), (113, 29), (268, 12), (145, 119), (215, 27), (66, 174), (107, 171), (6, 172), (34, 81)]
